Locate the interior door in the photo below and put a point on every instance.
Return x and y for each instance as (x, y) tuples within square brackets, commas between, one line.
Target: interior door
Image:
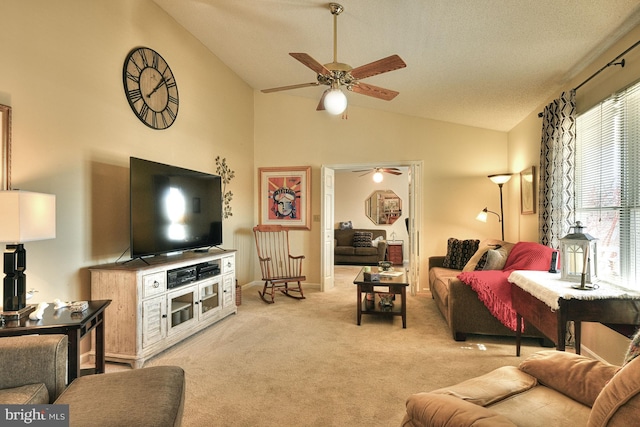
[(326, 224), (415, 213)]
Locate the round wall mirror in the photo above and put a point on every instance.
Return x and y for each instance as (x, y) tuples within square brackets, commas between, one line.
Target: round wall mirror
[(383, 207)]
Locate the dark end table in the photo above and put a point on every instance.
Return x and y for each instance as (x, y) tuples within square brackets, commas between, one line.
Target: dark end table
[(74, 325), (396, 285)]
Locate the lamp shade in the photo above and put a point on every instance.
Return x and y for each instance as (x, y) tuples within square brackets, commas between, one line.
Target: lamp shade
[(500, 178), (335, 102), (377, 177), (482, 216), (26, 216)]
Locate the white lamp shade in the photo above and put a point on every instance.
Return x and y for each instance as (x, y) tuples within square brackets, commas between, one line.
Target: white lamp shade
[(27, 216), (335, 102), (482, 216), (377, 177), (501, 178)]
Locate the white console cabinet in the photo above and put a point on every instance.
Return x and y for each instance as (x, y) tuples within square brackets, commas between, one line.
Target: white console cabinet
[(157, 302)]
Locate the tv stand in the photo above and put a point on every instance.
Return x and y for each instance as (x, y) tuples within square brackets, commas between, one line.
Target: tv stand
[(147, 315)]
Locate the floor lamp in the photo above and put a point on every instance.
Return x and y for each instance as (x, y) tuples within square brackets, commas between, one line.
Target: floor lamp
[(499, 179), (24, 217)]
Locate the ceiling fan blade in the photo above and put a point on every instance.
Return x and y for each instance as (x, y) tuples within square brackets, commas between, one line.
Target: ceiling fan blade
[(298, 86), (394, 172), (363, 170), (384, 65), (320, 106), (375, 91), (311, 63)]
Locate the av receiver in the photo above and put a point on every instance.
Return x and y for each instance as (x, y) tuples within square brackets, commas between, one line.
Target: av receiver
[(193, 273), (181, 276)]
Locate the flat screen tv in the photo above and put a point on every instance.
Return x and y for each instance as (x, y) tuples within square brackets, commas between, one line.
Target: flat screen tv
[(173, 209)]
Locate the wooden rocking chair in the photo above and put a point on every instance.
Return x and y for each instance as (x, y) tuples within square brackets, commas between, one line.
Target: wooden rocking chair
[(279, 267)]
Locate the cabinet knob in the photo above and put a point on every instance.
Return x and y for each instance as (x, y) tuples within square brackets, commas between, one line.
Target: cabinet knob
[(164, 316), (196, 303), (156, 284)]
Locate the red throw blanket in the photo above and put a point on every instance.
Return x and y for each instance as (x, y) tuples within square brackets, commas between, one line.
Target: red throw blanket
[(492, 286)]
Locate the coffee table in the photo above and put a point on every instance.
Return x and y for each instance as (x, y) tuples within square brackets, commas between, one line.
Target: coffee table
[(396, 284)]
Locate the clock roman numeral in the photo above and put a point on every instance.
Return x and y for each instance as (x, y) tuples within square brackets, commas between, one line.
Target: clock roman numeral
[(170, 113), (145, 62), (134, 77), (135, 95), (144, 111), (173, 99)]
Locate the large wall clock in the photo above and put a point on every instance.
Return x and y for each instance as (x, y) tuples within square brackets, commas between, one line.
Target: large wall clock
[(150, 88)]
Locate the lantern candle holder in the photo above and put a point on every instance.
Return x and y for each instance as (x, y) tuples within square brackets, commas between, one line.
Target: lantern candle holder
[(578, 258)]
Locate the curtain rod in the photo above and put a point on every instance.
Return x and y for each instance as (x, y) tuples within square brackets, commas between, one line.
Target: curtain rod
[(609, 64)]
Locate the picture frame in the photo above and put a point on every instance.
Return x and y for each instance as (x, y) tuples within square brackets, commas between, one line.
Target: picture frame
[(285, 196), (527, 191), (5, 146)]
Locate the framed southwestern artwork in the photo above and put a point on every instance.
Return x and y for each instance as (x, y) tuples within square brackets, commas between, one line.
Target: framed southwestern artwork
[(285, 197)]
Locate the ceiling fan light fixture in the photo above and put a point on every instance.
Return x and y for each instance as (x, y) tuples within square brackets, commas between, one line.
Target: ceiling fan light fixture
[(377, 177), (335, 102)]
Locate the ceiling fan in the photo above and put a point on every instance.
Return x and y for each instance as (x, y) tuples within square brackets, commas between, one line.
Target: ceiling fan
[(336, 74), (377, 172)]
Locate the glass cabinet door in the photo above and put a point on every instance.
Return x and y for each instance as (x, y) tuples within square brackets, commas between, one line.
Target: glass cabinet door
[(209, 296), (181, 307)]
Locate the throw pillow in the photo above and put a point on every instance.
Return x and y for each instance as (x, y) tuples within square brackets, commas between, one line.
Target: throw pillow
[(459, 252), (362, 239), (485, 245), (634, 349), (346, 225), (377, 240), (493, 259)]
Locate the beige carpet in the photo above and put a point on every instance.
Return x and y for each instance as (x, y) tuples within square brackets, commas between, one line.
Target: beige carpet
[(307, 363)]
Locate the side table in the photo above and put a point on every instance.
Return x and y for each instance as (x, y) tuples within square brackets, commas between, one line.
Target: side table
[(396, 285), (395, 252), (74, 325), (548, 303)]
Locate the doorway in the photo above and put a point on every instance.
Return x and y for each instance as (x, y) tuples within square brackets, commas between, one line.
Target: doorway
[(413, 215)]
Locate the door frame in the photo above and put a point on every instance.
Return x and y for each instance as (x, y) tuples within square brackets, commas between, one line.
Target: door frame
[(327, 201)]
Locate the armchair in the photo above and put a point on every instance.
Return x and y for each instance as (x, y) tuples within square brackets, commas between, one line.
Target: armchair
[(33, 371)]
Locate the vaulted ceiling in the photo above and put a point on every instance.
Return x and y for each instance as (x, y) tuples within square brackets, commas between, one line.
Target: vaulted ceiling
[(485, 63)]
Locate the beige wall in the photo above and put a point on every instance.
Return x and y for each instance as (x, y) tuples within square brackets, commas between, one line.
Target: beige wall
[(290, 132), (524, 150), (73, 130)]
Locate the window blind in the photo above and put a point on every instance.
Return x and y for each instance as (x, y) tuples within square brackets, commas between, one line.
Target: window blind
[(608, 183)]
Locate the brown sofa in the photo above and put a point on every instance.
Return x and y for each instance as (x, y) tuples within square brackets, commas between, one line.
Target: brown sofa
[(347, 254), (460, 305), (33, 370), (550, 388)]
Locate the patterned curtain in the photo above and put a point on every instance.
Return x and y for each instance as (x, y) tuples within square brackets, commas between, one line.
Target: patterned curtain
[(557, 152)]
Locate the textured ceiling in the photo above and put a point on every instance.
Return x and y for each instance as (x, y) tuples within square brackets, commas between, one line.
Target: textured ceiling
[(485, 63)]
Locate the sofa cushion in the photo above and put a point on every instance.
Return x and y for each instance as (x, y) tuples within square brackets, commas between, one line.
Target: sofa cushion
[(344, 250), (483, 247), (619, 402), (364, 251), (578, 377), (362, 239), (441, 410), (30, 394), (492, 387), (459, 252), (149, 396)]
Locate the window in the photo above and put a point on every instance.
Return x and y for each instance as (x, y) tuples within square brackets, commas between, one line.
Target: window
[(608, 183)]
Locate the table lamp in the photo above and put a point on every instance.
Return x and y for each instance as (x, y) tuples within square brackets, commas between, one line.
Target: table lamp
[(24, 217)]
